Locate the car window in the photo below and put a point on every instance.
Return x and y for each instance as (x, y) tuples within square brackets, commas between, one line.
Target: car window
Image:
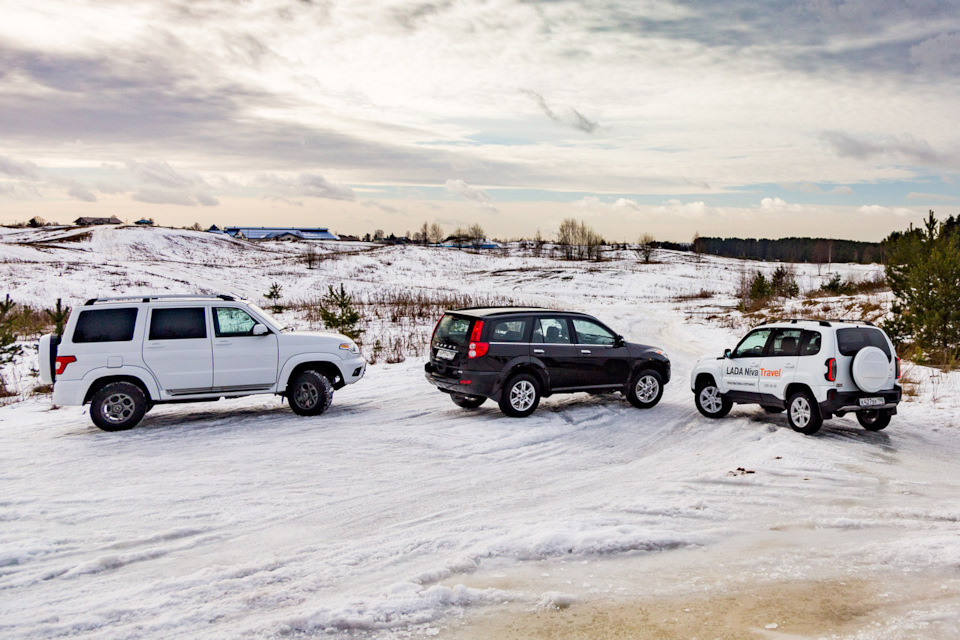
[(178, 324), (509, 330), (852, 339), (589, 332), (785, 342), (230, 322), (452, 329), (810, 343), (753, 344), (551, 331), (105, 325)]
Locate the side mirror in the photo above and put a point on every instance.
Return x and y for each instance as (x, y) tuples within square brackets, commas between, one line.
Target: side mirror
[(619, 341), (260, 330), (726, 353)]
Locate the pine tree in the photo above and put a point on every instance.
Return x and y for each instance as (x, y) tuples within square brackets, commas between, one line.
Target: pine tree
[(58, 315), (923, 270), (274, 295), (339, 313), (8, 337)]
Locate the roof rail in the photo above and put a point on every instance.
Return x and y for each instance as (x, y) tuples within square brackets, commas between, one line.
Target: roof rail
[(181, 296), (822, 323), (866, 322)]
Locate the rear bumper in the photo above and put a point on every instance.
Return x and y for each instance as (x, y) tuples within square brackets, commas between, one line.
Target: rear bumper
[(471, 383), (68, 393), (840, 403)]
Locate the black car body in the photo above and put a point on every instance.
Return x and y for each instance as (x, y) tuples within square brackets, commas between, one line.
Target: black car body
[(481, 353)]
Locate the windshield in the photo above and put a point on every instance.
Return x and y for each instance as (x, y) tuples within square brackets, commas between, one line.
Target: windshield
[(452, 329), (267, 318)]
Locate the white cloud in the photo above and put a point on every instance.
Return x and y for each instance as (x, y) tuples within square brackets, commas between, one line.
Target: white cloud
[(474, 195), (914, 195), (875, 209), (81, 193)]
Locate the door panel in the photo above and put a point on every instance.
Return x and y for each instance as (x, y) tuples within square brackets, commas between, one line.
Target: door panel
[(779, 366), (741, 371), (242, 360), (552, 344), (601, 363), (178, 350)]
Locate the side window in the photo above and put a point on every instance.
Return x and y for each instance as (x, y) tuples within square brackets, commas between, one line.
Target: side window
[(785, 342), (591, 333), (810, 343), (105, 325), (178, 324), (509, 330), (752, 345), (551, 331), (229, 322)]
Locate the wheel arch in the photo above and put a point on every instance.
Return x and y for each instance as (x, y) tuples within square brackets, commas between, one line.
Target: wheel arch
[(795, 387), (704, 378), (324, 367), (526, 367), (103, 381)]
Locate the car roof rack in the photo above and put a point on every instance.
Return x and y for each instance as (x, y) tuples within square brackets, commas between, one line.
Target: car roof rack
[(182, 296), (822, 323)]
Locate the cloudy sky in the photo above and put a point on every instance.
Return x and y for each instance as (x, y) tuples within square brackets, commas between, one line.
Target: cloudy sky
[(723, 117)]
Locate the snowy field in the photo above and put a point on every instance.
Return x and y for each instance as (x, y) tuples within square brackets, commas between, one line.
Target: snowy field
[(397, 514)]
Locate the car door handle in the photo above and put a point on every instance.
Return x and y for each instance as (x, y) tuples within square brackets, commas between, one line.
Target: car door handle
[(154, 346), (585, 351), (789, 365), (223, 342), (538, 350)]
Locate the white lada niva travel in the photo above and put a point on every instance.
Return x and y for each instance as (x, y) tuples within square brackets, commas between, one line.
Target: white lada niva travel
[(124, 355), (813, 369)]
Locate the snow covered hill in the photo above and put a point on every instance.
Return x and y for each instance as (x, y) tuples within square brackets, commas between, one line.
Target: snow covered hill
[(398, 514)]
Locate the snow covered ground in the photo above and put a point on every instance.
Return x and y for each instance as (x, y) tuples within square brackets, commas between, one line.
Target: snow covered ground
[(397, 514)]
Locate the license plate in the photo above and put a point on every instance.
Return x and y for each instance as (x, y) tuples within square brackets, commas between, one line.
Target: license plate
[(446, 354), (871, 402)]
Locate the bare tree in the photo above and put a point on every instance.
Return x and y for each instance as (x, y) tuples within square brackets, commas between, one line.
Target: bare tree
[(310, 257), (476, 236), (423, 235), (435, 235), (538, 243), (645, 246), (697, 245)]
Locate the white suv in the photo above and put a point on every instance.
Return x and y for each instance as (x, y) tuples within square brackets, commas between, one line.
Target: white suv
[(123, 355), (815, 369)]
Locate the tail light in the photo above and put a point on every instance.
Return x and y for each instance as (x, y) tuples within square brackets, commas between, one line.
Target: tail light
[(62, 362), (477, 349), (898, 368), (831, 374)]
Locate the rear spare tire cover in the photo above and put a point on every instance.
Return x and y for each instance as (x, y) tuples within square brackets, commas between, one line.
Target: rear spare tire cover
[(871, 369)]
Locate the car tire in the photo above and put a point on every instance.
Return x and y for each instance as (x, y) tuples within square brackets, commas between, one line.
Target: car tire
[(521, 396), (118, 406), (803, 413), (309, 393), (709, 401), (874, 420), (467, 402), (646, 389)]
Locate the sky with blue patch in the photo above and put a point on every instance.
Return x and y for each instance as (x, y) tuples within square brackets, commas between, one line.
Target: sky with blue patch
[(728, 117)]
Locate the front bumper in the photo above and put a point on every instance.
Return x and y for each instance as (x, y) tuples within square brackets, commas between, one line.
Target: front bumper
[(839, 403), (353, 369), (470, 383)]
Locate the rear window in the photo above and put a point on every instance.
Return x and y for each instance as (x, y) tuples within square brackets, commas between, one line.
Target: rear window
[(178, 324), (850, 341), (105, 325), (453, 329)]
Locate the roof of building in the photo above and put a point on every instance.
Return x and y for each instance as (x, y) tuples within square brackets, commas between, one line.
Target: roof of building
[(90, 220), (271, 233)]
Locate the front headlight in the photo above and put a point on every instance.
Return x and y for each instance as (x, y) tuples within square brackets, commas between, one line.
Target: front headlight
[(351, 347)]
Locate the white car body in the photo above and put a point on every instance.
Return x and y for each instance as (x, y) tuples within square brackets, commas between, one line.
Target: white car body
[(171, 367), (845, 366)]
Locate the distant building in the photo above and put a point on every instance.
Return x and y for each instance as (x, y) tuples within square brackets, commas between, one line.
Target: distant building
[(215, 229), (280, 233), (84, 222), (348, 238), (144, 222)]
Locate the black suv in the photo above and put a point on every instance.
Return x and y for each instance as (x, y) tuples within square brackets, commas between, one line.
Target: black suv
[(516, 355)]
